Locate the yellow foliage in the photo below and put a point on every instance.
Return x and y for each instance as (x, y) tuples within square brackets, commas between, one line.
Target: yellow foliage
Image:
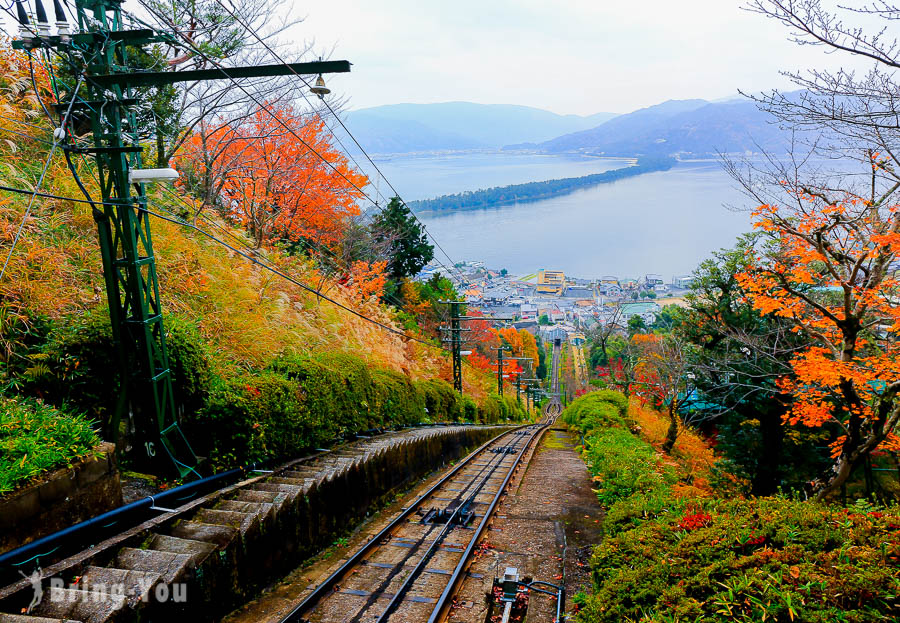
[(691, 455)]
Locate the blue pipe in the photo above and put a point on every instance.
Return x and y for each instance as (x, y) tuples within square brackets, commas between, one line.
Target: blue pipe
[(102, 526)]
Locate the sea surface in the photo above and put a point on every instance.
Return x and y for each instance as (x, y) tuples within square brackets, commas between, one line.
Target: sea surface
[(664, 222)]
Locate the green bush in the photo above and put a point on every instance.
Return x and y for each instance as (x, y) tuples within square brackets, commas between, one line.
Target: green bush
[(625, 465), (668, 558), (760, 559), (336, 401), (469, 409), (440, 399), (303, 401), (255, 417), (596, 410), (489, 410), (78, 366), (397, 403), (36, 438)]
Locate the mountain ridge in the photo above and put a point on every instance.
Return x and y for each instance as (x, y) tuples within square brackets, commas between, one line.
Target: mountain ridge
[(403, 128)]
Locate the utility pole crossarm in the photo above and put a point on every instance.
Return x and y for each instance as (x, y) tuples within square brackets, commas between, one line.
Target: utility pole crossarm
[(157, 78)]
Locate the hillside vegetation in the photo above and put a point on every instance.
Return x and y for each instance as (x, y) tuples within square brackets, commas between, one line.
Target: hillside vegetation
[(262, 367), (680, 545)]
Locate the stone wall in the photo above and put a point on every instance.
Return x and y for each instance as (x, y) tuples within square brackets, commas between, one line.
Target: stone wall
[(62, 498)]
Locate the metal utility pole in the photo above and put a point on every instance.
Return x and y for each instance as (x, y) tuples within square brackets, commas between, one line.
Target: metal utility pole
[(99, 51), (500, 368), (455, 342), (529, 390)]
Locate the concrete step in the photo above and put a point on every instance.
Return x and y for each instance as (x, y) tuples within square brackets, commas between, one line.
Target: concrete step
[(262, 510), (169, 565), (134, 585), (265, 497), (301, 474), (69, 604), (220, 536), (244, 522), (292, 491), (293, 482), (26, 618), (197, 550)]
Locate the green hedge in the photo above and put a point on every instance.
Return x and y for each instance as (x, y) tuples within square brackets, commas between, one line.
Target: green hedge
[(297, 403), (78, 367), (441, 401), (36, 438), (667, 558), (302, 402)]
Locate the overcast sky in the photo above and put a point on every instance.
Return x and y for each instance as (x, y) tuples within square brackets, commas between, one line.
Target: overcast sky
[(568, 56)]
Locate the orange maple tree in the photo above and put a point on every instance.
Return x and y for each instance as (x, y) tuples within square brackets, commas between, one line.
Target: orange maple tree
[(661, 376), (829, 270), (271, 178)]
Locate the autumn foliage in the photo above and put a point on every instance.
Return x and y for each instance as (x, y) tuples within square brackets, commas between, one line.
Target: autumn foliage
[(830, 273), (266, 175)]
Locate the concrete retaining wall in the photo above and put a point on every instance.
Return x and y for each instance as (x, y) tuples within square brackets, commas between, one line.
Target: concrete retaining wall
[(225, 547), (63, 498)]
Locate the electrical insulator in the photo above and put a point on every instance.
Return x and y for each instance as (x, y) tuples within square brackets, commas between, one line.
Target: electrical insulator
[(62, 26), (43, 25), (24, 31)]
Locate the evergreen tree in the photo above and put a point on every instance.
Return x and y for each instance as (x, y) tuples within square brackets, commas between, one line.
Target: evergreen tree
[(409, 249)]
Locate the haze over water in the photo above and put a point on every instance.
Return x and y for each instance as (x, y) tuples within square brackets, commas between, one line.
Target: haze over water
[(665, 222)]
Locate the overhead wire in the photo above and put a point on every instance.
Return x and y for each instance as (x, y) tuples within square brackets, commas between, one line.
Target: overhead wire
[(58, 138), (337, 117), (254, 259), (243, 242), (189, 44)]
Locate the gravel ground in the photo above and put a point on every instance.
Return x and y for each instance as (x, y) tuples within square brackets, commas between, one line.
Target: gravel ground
[(545, 528)]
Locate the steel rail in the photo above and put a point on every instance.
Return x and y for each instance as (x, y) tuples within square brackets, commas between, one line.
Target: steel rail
[(327, 586), (445, 599), (445, 530), (60, 545)]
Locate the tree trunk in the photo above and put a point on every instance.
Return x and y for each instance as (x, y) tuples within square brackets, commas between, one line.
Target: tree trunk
[(672, 433), (768, 471)]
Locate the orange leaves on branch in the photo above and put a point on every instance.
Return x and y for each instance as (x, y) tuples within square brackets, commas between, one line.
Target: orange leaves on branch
[(368, 279), (270, 180), (829, 271)]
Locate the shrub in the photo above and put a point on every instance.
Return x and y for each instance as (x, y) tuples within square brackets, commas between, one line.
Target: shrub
[(253, 418), (596, 410), (36, 438), (667, 556), (79, 366), (469, 409), (489, 410), (335, 401), (397, 403), (624, 465), (440, 399), (303, 401)]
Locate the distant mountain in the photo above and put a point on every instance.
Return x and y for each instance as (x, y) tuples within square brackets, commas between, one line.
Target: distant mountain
[(694, 127), (400, 128)]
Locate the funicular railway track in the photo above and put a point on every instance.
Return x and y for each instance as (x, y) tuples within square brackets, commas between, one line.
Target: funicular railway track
[(410, 570), (230, 529)]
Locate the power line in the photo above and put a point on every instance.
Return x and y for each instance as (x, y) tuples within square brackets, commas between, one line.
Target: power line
[(272, 269), (58, 138), (346, 129), (192, 226), (250, 30)]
